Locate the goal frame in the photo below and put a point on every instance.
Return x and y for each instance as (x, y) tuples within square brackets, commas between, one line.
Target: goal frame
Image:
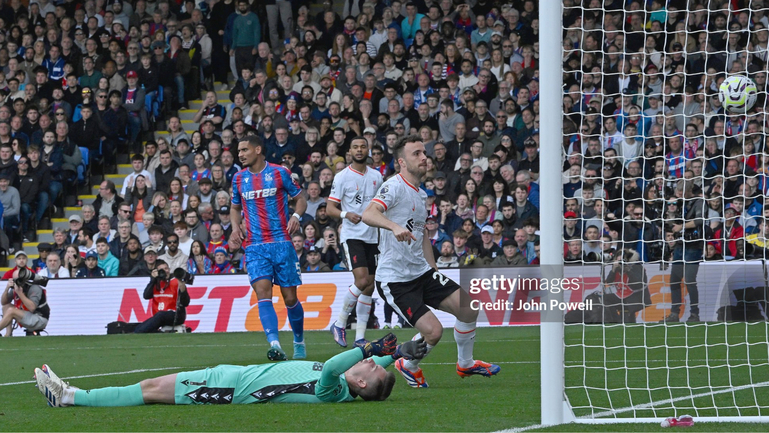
[(555, 407)]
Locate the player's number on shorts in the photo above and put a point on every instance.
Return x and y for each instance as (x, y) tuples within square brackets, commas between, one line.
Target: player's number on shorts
[(298, 269), (441, 278)]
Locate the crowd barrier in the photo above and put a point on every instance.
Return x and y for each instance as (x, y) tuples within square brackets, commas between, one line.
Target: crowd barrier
[(226, 303)]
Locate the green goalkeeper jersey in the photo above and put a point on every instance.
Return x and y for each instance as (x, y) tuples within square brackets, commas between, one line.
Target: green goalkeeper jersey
[(284, 382)]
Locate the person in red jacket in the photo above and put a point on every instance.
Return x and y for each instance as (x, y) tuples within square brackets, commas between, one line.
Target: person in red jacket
[(21, 260), (168, 298), (729, 232)]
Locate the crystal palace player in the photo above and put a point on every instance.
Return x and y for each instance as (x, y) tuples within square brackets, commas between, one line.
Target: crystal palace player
[(353, 188), (262, 191), (356, 372), (407, 276)]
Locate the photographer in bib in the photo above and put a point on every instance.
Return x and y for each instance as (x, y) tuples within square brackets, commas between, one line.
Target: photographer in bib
[(625, 287), (168, 296), (24, 300)]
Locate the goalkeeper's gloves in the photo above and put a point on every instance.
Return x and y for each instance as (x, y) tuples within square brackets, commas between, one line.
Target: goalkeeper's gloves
[(414, 349), (382, 347)]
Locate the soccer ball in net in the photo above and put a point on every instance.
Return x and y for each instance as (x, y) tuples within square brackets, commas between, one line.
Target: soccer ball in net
[(737, 94)]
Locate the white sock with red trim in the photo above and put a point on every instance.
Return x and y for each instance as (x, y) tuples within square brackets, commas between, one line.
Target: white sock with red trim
[(464, 335), (362, 310), (350, 299)]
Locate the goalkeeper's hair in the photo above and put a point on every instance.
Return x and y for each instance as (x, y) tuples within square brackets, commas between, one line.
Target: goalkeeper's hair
[(380, 391)]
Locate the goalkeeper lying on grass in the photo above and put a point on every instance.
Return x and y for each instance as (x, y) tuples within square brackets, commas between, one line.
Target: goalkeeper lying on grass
[(356, 372)]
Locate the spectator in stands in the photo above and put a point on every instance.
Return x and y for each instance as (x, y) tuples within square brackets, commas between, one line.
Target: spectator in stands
[(217, 238), (314, 263), (132, 257), (297, 239), (53, 267), (199, 262), (108, 262), (221, 264), (107, 202), (174, 256), (9, 196), (73, 261), (447, 258), (43, 249), (197, 230)]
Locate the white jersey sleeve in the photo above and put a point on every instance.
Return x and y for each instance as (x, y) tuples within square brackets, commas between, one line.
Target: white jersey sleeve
[(405, 205), (353, 191)]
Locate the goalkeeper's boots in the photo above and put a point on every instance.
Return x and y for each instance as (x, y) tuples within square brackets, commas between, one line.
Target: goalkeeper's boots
[(480, 368), (360, 343), (49, 384), (414, 379), (276, 354), (340, 335), (300, 350)]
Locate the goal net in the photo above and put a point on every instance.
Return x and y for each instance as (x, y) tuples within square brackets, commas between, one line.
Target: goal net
[(664, 207)]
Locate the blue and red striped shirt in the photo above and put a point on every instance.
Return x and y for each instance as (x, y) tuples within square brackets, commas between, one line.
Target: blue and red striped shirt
[(264, 198)]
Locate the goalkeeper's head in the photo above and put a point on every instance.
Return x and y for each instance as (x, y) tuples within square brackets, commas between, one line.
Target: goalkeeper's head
[(370, 381)]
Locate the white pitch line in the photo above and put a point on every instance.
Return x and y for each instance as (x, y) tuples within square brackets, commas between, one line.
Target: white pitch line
[(117, 373), (143, 370), (644, 406)]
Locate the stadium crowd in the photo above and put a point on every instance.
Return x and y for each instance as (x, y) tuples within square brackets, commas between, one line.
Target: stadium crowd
[(651, 161)]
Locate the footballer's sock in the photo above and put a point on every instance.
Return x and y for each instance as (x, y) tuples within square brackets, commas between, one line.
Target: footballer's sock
[(269, 321), (413, 364), (362, 310), (464, 335), (110, 397), (350, 299), (296, 319)]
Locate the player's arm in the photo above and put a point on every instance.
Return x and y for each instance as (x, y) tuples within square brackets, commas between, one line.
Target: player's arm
[(300, 207), (374, 216), (333, 210), (237, 236), (427, 250)]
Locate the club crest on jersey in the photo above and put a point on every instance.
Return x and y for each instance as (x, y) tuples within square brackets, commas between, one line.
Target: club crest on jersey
[(268, 177)]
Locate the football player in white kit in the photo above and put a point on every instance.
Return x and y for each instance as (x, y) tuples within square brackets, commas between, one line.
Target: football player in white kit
[(407, 276), (352, 189)]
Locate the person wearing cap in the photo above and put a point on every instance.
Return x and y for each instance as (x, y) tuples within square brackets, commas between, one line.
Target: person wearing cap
[(314, 264), (510, 255), (133, 100), (221, 262), (332, 94), (91, 268), (488, 249), (40, 263), (20, 260)]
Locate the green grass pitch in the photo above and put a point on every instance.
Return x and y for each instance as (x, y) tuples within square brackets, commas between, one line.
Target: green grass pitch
[(510, 400)]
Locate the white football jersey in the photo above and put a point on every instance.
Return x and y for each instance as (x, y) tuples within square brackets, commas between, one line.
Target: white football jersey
[(353, 191), (405, 205)]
